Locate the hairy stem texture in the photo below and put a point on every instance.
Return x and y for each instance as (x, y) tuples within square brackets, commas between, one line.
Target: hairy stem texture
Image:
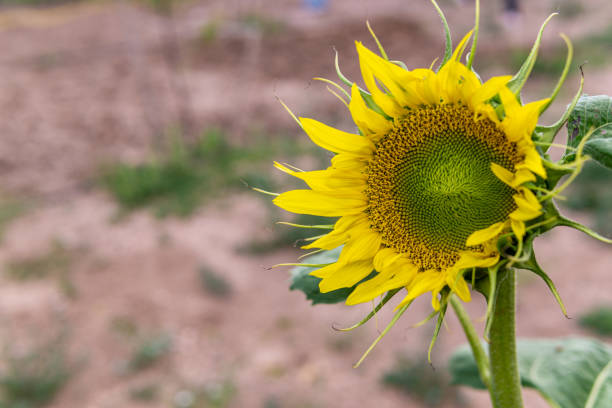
[(505, 378)]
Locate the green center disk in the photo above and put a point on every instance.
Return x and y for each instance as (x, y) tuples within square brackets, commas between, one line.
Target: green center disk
[(446, 190)]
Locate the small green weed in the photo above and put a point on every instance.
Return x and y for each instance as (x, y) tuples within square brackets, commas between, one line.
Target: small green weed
[(178, 182), (149, 351), (145, 393), (213, 395), (33, 379), (40, 266), (55, 263), (10, 209), (418, 379), (214, 284), (172, 183), (124, 326), (210, 31), (262, 24), (271, 402), (599, 320)]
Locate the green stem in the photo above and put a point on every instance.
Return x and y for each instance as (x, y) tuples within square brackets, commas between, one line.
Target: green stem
[(482, 361), (505, 378)]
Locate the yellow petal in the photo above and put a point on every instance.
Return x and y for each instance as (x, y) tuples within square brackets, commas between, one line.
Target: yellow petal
[(457, 83), (350, 162), (503, 174), (424, 90), (338, 236), (384, 101), (531, 113), (471, 260), (330, 179), (336, 140), (368, 289), (512, 107), (518, 227), (346, 275), (318, 203), (384, 258), (326, 271), (381, 283), (460, 287), (329, 241), (514, 180), (522, 176), (527, 201), (461, 46), (480, 236), (393, 77), (533, 162), (423, 282), (366, 119), (523, 212), (488, 90), (363, 244), (520, 121)]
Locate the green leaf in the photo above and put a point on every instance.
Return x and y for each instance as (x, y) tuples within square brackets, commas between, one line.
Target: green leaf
[(571, 372), (518, 81), (598, 320), (601, 149), (592, 113), (301, 280)]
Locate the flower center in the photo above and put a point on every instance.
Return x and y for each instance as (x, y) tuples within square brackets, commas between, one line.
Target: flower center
[(430, 183)]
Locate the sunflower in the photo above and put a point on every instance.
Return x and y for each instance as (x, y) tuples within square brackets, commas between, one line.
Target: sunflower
[(439, 170)]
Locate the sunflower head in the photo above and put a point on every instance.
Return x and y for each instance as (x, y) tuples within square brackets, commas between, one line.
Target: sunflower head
[(437, 173), (443, 179)]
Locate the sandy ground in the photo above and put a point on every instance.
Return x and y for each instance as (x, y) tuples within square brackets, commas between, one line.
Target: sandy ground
[(84, 85)]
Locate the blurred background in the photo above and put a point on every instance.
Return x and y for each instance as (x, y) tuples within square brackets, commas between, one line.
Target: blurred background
[(134, 258)]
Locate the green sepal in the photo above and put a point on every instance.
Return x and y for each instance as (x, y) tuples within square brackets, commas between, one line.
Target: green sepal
[(441, 313), (302, 280), (566, 68), (493, 270), (344, 79), (448, 43), (565, 222), (320, 226), (518, 81), (546, 134), (555, 172), (591, 117), (532, 265), (396, 317), (370, 315), (381, 49), (568, 373), (400, 64), (364, 94), (481, 283), (470, 57)]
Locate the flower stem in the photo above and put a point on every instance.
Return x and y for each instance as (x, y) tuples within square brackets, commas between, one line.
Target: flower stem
[(482, 361), (505, 378)]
